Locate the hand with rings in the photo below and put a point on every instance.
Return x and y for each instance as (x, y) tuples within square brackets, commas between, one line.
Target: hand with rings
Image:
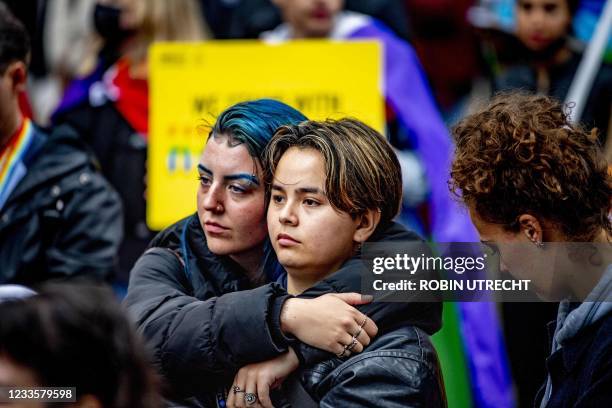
[(329, 322), (235, 398), (253, 382), (349, 347)]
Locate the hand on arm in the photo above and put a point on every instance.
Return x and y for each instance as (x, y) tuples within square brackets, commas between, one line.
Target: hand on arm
[(329, 322)]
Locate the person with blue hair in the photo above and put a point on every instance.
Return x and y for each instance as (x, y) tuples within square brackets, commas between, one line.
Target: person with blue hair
[(205, 296)]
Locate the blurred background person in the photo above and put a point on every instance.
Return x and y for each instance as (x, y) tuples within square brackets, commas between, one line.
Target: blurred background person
[(448, 48), (249, 18), (548, 58), (61, 33), (67, 336), (64, 29), (59, 218), (109, 108), (415, 126)]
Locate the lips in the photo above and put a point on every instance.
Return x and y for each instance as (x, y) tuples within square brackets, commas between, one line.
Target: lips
[(538, 39), (214, 228), (320, 14), (286, 240)]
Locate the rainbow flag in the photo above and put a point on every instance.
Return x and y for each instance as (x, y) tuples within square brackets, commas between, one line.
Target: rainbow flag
[(12, 168)]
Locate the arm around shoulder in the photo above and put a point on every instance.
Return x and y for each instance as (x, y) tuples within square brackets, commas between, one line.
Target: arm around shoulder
[(195, 340)]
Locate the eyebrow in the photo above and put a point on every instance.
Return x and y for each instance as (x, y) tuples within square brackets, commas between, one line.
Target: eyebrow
[(301, 190), (238, 176)]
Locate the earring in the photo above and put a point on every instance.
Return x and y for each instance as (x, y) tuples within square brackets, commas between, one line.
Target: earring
[(537, 243)]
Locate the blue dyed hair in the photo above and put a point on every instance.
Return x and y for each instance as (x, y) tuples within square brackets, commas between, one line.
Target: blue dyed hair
[(254, 123)]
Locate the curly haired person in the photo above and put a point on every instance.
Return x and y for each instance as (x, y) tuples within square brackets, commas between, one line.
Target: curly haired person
[(531, 179)]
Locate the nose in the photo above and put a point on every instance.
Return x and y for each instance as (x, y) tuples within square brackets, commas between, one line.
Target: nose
[(287, 215), (213, 199), (538, 18)]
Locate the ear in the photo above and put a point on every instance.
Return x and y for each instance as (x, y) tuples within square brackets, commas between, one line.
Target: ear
[(18, 74), (531, 227), (367, 223)]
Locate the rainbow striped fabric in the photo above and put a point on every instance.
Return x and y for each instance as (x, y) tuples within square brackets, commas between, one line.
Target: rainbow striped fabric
[(12, 168)]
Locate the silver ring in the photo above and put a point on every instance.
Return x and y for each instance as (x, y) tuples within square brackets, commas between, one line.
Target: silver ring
[(358, 332), (364, 322), (353, 344), (343, 353), (250, 398), (237, 389)]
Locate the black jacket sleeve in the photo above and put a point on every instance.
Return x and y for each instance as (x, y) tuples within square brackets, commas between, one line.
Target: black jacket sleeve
[(198, 343), (89, 229)]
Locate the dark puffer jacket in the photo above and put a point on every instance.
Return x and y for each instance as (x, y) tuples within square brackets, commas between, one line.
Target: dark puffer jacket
[(203, 320), (63, 220)]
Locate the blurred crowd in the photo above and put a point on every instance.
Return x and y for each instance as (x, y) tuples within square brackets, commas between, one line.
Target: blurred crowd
[(81, 96)]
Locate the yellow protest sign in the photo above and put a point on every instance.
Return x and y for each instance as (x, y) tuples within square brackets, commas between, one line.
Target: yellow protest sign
[(190, 84)]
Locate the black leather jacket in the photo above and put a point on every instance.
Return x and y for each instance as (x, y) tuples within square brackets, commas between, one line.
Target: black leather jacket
[(398, 369)]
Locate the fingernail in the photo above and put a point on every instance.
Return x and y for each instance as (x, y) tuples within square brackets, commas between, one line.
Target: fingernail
[(367, 298)]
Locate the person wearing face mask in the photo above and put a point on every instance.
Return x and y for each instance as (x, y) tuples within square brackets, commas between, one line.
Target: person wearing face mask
[(549, 58), (109, 107), (59, 218)]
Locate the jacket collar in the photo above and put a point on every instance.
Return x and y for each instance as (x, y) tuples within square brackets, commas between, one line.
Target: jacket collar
[(221, 271), (573, 350), (52, 157)]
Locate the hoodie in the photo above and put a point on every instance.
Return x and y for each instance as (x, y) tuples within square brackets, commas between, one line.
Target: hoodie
[(574, 318)]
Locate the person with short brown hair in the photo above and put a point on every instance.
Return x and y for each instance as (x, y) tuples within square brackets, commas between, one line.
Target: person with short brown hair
[(333, 185), (361, 169)]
